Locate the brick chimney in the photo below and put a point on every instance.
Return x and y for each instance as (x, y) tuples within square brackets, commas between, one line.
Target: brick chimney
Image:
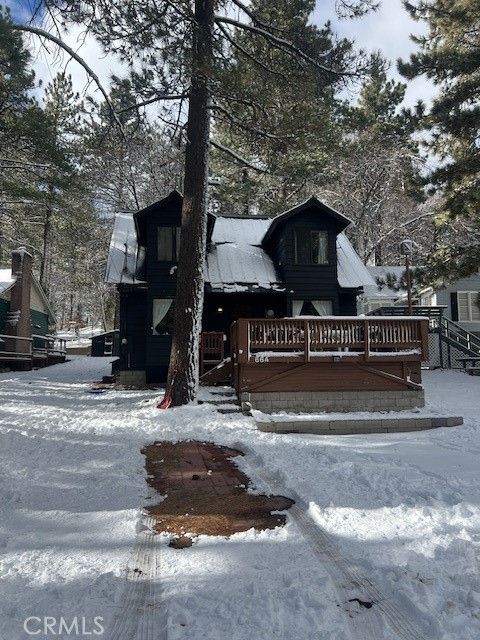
[(18, 318)]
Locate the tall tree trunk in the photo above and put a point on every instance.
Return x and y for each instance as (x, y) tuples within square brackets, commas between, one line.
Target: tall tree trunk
[(47, 229), (183, 371)]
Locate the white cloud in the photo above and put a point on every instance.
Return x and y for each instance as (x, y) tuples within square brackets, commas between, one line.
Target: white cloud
[(387, 30)]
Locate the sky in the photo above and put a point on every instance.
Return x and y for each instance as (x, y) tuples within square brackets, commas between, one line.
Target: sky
[(388, 30)]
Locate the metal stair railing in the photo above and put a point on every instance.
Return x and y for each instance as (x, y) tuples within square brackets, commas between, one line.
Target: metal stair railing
[(462, 339)]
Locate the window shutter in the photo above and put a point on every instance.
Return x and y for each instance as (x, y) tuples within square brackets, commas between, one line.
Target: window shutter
[(454, 305)]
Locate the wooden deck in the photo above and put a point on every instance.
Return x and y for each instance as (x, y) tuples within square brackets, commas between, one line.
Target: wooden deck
[(20, 353), (329, 354)]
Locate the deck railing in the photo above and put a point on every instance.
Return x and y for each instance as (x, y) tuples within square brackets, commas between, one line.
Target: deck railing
[(310, 336), (48, 345), (9, 348), (433, 313), (20, 348)]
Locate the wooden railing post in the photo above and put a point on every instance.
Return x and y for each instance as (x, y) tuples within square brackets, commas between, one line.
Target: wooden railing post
[(306, 341), (366, 338), (243, 340)]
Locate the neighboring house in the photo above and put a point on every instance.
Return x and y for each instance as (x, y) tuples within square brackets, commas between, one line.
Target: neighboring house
[(26, 318), (299, 263), (460, 299), (462, 302), (375, 296), (42, 316), (105, 344)]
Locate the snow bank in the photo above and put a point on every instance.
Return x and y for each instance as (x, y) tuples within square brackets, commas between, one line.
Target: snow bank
[(405, 509)]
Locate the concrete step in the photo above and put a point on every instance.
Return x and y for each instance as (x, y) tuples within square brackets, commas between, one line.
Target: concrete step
[(352, 425)]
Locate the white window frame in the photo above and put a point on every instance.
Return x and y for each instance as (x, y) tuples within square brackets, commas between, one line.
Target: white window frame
[(472, 297)]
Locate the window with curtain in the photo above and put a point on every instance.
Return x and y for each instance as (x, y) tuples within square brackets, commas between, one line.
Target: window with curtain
[(168, 244), (311, 308), (310, 247), (468, 306), (162, 316)]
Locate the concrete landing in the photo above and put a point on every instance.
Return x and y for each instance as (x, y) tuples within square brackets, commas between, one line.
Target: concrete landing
[(353, 425)]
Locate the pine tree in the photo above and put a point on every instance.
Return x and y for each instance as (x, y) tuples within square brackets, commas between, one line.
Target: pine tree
[(181, 49), (60, 148), (21, 123), (286, 126), (377, 169), (450, 56)]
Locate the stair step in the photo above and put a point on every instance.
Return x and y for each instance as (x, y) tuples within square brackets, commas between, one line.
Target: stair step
[(219, 403), (232, 410)]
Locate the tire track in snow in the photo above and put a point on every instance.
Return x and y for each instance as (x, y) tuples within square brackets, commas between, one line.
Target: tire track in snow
[(141, 614), (350, 584)]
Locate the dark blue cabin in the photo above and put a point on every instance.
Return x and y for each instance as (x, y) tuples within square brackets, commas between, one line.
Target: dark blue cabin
[(299, 263)]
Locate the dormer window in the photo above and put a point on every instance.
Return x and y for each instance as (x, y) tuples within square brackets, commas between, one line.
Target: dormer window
[(311, 246), (168, 245)]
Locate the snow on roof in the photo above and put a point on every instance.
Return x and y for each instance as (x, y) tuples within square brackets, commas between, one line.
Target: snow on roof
[(6, 279), (122, 255), (351, 272), (242, 230), (233, 265), (235, 260)]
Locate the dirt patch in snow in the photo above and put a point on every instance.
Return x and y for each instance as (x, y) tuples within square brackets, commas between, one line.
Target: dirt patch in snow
[(205, 492)]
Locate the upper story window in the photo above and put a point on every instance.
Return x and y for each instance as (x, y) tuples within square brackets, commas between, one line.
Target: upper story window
[(468, 306), (168, 244), (311, 247)]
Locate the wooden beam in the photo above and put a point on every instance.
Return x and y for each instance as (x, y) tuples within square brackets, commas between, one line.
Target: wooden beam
[(278, 376), (388, 376)]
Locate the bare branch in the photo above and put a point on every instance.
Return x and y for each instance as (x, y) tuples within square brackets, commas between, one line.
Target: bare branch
[(429, 214), (280, 43), (236, 157), (49, 36), (19, 164), (144, 103)]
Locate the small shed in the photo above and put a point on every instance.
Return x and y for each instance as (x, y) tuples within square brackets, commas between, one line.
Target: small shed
[(106, 344)]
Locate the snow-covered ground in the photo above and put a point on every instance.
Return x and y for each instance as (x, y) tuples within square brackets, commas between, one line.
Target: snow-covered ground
[(400, 510)]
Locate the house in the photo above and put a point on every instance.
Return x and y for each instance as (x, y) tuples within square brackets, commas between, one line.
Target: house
[(297, 264), (462, 302), (26, 317)]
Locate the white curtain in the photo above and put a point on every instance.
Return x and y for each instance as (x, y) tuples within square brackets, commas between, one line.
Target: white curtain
[(160, 309), (323, 307), (296, 308)]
